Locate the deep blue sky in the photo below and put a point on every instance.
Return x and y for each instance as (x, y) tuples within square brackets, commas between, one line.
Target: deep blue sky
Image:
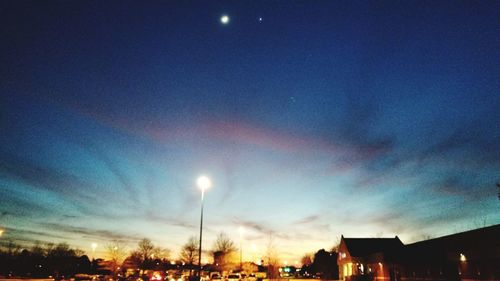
[(325, 118)]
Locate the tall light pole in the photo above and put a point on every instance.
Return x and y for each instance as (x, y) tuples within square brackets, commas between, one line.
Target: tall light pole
[(241, 230), (203, 183), (93, 245)]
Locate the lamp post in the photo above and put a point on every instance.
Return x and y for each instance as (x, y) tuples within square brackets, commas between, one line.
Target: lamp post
[(94, 246), (203, 183), (241, 230)]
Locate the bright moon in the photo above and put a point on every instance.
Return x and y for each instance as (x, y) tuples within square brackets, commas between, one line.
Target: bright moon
[(224, 19)]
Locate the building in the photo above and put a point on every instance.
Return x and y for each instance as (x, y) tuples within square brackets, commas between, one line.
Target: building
[(470, 255), (370, 258)]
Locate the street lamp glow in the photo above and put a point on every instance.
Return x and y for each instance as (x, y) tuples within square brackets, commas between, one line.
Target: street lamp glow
[(204, 183), (93, 246), (462, 258), (241, 230), (1, 232), (224, 19)]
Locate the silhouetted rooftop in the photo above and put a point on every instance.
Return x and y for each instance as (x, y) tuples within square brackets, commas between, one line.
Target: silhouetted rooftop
[(482, 242), (365, 246)]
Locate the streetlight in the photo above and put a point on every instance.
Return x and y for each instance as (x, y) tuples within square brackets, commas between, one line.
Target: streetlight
[(241, 230), (203, 183), (1, 232), (94, 246)]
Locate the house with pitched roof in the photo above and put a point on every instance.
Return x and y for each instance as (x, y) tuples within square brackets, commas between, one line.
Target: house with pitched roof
[(371, 257), (468, 256)]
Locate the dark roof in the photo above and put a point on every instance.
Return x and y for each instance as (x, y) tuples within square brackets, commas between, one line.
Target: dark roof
[(482, 242), (359, 247)]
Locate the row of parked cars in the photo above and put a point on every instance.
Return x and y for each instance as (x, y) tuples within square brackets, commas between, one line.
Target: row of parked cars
[(215, 276), (164, 276)]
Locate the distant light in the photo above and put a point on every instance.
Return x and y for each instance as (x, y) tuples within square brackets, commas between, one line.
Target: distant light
[(462, 257), (260, 20), (224, 19), (204, 182), (1, 232), (380, 264)]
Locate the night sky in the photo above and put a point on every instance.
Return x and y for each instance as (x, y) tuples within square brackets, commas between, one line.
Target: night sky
[(312, 118)]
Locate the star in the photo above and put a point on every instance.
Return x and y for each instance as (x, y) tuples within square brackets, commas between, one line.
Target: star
[(224, 19)]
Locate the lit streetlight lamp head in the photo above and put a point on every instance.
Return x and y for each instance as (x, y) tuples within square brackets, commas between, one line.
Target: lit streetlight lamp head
[(224, 19), (204, 183)]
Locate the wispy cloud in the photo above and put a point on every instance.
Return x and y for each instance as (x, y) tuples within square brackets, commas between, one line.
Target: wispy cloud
[(307, 220), (90, 233)]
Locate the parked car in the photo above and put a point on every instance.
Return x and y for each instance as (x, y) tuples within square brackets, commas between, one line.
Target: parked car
[(234, 277), (215, 276), (251, 277)]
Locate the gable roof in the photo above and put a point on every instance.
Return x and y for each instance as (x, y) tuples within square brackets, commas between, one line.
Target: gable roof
[(359, 247)]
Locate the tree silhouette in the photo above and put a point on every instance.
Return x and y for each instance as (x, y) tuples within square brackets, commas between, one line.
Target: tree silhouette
[(189, 251), (224, 244), (224, 252), (325, 263), (116, 253), (145, 249), (272, 258)]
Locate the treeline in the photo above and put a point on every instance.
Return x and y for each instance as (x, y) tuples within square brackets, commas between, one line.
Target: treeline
[(41, 261), (323, 265), (60, 260)]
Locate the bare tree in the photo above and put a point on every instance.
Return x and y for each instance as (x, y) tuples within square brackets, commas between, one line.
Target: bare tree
[(306, 260), (145, 249), (160, 253), (272, 258), (189, 251), (224, 252), (336, 245), (224, 244), (37, 249), (116, 253)]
